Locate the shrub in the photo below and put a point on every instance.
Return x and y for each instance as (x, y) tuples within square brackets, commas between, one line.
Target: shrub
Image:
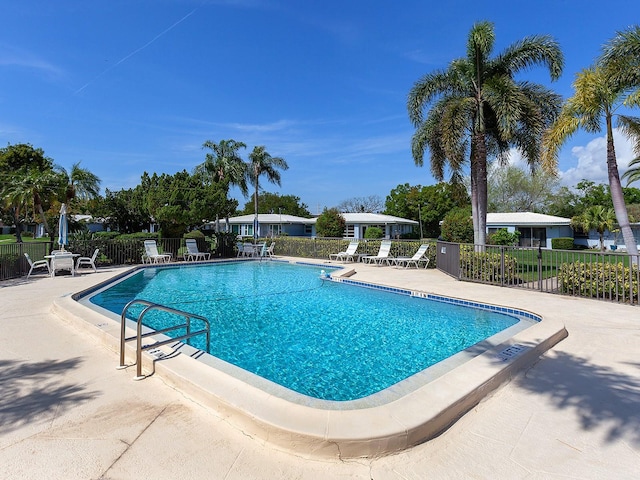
[(193, 234), (373, 232), (598, 280), (106, 235), (330, 223), (487, 267), (504, 237), (457, 226), (562, 243)]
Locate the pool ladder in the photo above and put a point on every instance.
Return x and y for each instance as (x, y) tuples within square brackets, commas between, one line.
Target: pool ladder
[(139, 335)]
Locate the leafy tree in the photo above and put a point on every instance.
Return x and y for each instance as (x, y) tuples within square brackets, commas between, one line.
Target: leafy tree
[(512, 189), (262, 163), (123, 211), (370, 204), (596, 218), (599, 92), (330, 223), (276, 203), (429, 204), (479, 110), (457, 226)]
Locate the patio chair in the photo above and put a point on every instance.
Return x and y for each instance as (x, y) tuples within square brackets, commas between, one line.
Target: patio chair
[(151, 253), (37, 264), (417, 258), (269, 251), (193, 253), (348, 254), (88, 261), (382, 256)]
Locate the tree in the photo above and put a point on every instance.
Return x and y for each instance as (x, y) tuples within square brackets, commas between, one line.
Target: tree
[(633, 174), (124, 210), (597, 97), (80, 183), (370, 204), (596, 218), (262, 163), (479, 110), (426, 204), (330, 223), (457, 226), (276, 203), (512, 189), (224, 166), (27, 177)]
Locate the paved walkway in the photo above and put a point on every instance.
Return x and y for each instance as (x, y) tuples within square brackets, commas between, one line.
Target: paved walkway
[(67, 413)]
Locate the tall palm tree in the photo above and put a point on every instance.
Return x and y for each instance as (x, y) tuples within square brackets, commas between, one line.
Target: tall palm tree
[(478, 110), (223, 165), (262, 163), (596, 218), (79, 183), (44, 187), (597, 98)]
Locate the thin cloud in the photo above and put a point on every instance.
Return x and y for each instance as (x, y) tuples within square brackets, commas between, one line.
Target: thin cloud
[(15, 57)]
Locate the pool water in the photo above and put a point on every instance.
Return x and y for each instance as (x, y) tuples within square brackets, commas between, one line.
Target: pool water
[(324, 339)]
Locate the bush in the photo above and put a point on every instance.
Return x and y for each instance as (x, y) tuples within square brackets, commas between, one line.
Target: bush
[(193, 234), (598, 280), (562, 243), (487, 267), (106, 235), (373, 232), (330, 223), (457, 226), (504, 237)]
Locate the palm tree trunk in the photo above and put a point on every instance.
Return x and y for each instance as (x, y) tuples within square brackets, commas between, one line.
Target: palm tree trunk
[(16, 213), (617, 195), (479, 176), (256, 225), (38, 205)]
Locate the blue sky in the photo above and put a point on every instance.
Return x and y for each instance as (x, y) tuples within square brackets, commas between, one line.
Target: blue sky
[(127, 86)]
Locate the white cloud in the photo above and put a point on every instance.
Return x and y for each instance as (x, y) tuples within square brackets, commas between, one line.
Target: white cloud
[(592, 160), (16, 57)]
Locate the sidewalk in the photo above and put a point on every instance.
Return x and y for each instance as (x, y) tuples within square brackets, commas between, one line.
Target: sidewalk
[(67, 413)]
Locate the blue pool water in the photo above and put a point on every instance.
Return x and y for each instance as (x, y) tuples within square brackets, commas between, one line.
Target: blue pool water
[(324, 339)]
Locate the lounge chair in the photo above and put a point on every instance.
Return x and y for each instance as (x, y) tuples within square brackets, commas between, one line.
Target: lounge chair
[(89, 261), (347, 255), (37, 264), (193, 253), (418, 257), (382, 256), (152, 255), (269, 251)]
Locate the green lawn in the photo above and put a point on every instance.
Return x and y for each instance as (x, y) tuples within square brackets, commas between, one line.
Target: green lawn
[(9, 238)]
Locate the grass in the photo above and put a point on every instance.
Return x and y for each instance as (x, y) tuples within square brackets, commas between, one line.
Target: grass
[(10, 238)]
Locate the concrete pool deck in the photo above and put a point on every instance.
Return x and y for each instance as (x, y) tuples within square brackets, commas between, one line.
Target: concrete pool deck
[(66, 412)]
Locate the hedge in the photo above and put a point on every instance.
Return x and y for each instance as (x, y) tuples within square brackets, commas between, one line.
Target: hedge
[(562, 243), (612, 281)]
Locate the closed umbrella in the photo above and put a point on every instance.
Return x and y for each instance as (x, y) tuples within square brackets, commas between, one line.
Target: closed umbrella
[(63, 227)]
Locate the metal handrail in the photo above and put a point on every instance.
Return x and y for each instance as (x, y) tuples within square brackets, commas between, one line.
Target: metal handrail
[(139, 335)]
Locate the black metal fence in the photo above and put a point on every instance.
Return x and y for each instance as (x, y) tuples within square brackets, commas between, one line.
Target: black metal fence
[(586, 273)]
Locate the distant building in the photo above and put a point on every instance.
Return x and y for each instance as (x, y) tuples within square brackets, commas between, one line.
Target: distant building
[(536, 229)]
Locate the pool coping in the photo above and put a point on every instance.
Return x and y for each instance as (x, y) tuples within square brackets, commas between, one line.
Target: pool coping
[(320, 432)]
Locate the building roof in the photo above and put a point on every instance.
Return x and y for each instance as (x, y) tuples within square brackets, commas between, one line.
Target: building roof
[(370, 218), (525, 218)]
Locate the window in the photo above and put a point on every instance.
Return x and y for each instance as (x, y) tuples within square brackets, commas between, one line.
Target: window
[(350, 231)]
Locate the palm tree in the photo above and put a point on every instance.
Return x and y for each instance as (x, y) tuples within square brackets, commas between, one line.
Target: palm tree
[(598, 95), (44, 187), (596, 218), (623, 52), (633, 174), (479, 110), (80, 183), (225, 166), (262, 163)]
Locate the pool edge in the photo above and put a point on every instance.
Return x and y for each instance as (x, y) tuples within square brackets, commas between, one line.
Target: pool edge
[(316, 432)]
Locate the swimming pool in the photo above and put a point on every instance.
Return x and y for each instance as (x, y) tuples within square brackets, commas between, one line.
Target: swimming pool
[(402, 415), (327, 340)]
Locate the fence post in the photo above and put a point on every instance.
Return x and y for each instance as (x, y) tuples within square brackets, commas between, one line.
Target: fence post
[(539, 267)]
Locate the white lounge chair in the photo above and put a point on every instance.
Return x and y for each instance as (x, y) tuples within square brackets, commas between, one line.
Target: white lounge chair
[(152, 254), (348, 254), (37, 264), (418, 257), (193, 253), (382, 256), (89, 261), (269, 251)]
